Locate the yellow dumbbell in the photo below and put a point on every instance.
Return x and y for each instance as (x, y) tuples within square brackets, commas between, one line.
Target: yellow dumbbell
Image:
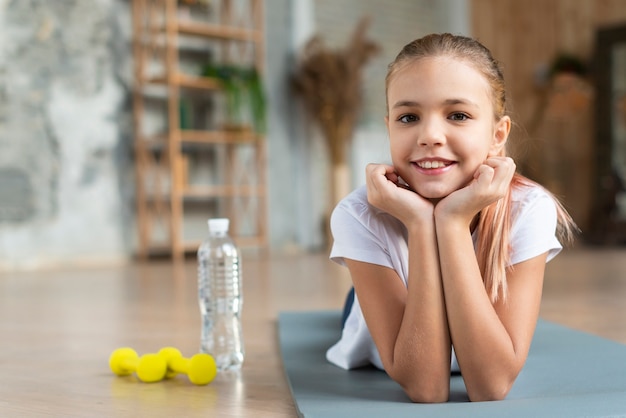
[(200, 368), (149, 367)]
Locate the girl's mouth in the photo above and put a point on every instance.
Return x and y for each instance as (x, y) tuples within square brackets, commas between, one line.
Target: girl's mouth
[(431, 164)]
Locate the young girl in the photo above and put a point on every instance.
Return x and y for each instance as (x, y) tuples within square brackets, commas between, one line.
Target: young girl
[(446, 247)]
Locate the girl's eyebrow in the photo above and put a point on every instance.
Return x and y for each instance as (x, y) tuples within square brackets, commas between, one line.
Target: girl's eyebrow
[(405, 103), (461, 101), (447, 102)]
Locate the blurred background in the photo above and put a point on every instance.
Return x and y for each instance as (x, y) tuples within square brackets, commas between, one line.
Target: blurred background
[(117, 137)]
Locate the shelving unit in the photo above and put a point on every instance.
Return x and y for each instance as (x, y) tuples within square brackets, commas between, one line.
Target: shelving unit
[(189, 172)]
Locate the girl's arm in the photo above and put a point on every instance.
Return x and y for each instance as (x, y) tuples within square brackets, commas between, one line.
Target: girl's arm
[(409, 326), (491, 342)]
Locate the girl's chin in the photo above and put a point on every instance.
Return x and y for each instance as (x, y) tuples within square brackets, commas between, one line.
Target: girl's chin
[(438, 191), (432, 194)]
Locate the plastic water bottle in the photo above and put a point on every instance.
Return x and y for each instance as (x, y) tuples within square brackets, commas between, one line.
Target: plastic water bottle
[(220, 297)]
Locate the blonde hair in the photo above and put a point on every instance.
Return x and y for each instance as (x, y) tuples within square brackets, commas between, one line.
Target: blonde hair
[(494, 221)]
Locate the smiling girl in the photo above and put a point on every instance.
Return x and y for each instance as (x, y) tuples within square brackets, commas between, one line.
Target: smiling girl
[(447, 246)]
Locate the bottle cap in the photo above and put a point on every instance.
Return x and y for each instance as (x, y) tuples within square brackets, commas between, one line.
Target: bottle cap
[(218, 224)]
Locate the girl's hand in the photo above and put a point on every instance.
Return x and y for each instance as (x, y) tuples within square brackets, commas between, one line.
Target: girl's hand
[(491, 182), (387, 191)]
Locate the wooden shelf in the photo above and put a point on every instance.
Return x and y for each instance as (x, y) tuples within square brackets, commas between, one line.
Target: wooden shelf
[(166, 202)]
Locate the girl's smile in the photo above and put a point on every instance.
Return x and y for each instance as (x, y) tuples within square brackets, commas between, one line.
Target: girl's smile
[(433, 166)]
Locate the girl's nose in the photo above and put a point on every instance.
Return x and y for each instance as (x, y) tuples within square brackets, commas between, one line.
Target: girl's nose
[(431, 134)]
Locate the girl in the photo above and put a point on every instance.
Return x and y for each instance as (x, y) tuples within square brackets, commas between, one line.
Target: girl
[(446, 247)]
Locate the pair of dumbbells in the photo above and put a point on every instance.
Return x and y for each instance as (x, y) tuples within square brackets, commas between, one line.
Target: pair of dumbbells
[(167, 363)]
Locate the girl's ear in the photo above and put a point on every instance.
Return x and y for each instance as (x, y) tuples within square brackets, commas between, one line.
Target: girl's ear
[(500, 136)]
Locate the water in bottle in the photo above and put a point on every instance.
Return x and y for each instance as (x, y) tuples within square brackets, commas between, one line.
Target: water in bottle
[(220, 297)]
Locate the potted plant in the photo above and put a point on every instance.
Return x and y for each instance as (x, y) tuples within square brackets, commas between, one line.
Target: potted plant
[(245, 99)]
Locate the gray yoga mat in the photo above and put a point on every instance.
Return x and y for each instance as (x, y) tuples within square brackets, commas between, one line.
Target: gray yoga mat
[(568, 374)]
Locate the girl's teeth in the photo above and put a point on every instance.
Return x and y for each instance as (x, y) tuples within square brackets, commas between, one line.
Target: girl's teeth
[(431, 164)]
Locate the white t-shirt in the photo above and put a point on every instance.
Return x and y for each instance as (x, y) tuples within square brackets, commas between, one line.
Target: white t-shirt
[(362, 232)]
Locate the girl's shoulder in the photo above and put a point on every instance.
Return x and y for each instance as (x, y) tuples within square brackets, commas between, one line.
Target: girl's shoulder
[(362, 232), (530, 194), (355, 209), (534, 223), (356, 197), (532, 207), (356, 203)]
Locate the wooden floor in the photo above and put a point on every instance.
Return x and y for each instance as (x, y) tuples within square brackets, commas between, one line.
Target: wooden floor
[(59, 327)]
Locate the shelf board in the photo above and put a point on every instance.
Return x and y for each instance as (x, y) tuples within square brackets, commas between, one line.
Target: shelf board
[(204, 30), (219, 137), (159, 249), (187, 81), (240, 241), (200, 192), (191, 246), (159, 142), (198, 82)]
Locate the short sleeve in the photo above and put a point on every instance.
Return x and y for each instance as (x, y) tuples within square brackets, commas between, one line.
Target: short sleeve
[(534, 227), (360, 231)]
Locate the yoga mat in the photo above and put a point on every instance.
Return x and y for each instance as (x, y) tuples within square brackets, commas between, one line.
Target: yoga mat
[(568, 374)]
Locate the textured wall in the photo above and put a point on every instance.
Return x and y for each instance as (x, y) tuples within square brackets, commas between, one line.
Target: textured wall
[(66, 170), (65, 179)]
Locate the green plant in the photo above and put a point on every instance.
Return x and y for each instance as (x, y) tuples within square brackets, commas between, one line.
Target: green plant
[(244, 92)]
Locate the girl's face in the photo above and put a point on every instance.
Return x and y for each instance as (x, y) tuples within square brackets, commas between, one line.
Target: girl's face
[(441, 124)]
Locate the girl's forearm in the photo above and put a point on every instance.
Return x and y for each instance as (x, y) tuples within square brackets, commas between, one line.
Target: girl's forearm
[(483, 347), (422, 350)]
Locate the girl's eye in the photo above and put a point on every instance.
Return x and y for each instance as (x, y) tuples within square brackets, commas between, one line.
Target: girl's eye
[(407, 118), (459, 117)]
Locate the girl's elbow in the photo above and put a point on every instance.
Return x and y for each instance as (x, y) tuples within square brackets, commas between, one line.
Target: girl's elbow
[(496, 391), (491, 385), (428, 391), (428, 396), (423, 385), (431, 392)]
